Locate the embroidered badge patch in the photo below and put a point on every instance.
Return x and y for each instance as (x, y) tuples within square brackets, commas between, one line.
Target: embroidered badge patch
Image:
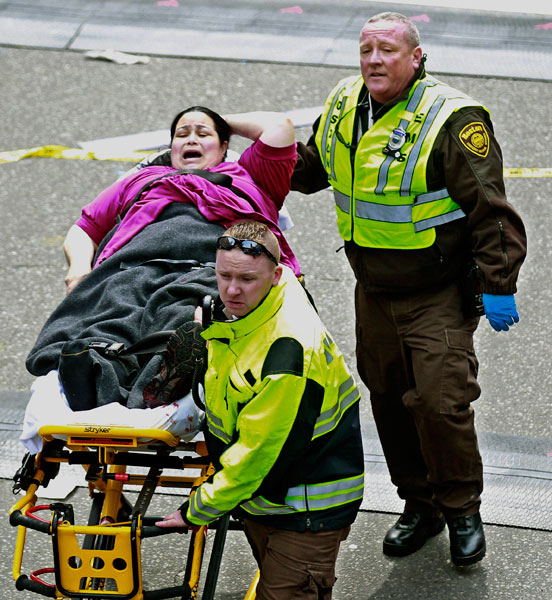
[(475, 138)]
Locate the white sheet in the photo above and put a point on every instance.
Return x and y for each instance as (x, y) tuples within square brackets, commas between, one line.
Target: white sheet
[(48, 406)]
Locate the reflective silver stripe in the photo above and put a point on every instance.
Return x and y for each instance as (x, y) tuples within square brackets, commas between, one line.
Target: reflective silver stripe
[(328, 118), (431, 196), (337, 412), (350, 383), (327, 352), (439, 220), (314, 496), (410, 107), (216, 427), (298, 503), (327, 495), (342, 498), (384, 169), (199, 510), (325, 489), (327, 127), (384, 212), (334, 137), (259, 506), (342, 201), (383, 174), (417, 95), (346, 385), (417, 148)]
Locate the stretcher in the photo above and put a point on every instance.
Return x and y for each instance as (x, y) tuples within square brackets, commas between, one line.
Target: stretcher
[(102, 559)]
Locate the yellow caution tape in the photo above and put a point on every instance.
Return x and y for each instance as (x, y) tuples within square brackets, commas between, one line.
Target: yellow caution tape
[(54, 151), (528, 172)]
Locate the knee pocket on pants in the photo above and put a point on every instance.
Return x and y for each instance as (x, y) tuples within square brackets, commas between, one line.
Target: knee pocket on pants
[(459, 385), (300, 579), (321, 580)]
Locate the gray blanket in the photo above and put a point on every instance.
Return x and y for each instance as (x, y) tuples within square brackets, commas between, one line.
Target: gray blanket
[(145, 287)]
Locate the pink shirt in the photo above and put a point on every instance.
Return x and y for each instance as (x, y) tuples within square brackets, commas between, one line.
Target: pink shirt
[(262, 172)]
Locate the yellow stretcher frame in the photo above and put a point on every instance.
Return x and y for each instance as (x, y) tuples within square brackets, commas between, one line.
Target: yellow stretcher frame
[(106, 452)]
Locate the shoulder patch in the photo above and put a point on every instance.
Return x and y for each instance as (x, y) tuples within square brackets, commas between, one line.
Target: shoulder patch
[(284, 356), (475, 138)]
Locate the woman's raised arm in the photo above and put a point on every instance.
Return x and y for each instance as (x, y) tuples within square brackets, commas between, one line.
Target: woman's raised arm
[(272, 128)]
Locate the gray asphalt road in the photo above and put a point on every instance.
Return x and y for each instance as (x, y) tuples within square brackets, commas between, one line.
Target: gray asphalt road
[(59, 97)]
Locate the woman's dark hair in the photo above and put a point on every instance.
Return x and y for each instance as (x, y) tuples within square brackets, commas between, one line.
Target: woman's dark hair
[(221, 126)]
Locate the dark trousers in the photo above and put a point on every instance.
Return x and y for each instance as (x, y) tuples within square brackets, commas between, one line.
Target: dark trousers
[(415, 354), (294, 565)]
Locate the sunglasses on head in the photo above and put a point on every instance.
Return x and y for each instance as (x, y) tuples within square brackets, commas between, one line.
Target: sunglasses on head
[(247, 246)]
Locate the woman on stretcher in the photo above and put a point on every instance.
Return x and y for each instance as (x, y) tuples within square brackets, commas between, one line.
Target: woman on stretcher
[(199, 142), (140, 261)]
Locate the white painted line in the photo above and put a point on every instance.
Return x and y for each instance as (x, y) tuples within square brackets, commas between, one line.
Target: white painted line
[(534, 7), (153, 140)]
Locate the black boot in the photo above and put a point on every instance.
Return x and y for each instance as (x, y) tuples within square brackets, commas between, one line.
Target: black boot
[(467, 539), (185, 347), (411, 532)]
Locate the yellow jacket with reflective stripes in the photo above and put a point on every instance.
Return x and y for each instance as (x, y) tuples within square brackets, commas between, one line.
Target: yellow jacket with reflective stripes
[(282, 419), (381, 196)]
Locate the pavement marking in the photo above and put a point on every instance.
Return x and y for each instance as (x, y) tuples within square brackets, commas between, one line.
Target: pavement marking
[(53, 151)]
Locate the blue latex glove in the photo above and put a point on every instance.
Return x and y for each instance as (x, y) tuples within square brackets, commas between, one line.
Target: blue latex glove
[(501, 311)]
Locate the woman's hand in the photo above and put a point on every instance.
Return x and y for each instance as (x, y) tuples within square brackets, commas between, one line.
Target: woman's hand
[(74, 277), (79, 251), (272, 128)]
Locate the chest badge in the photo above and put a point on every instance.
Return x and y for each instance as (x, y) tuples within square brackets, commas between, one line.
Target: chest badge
[(475, 138), (395, 143)]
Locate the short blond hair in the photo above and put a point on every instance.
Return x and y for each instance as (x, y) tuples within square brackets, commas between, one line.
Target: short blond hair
[(256, 232), (412, 35)]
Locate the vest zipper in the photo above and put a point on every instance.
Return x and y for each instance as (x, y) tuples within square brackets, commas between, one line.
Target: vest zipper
[(309, 523)]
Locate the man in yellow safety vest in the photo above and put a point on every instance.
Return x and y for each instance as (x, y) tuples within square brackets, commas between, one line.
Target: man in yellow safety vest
[(419, 195)]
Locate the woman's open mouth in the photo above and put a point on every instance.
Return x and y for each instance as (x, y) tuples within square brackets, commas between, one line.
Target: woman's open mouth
[(191, 154)]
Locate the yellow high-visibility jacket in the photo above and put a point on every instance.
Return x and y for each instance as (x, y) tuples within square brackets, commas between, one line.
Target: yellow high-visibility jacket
[(282, 416)]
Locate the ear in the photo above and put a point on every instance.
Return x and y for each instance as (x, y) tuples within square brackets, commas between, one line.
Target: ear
[(417, 57), (277, 275)]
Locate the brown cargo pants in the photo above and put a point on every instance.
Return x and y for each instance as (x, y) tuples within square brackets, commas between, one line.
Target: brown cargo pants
[(415, 354), (294, 564)]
